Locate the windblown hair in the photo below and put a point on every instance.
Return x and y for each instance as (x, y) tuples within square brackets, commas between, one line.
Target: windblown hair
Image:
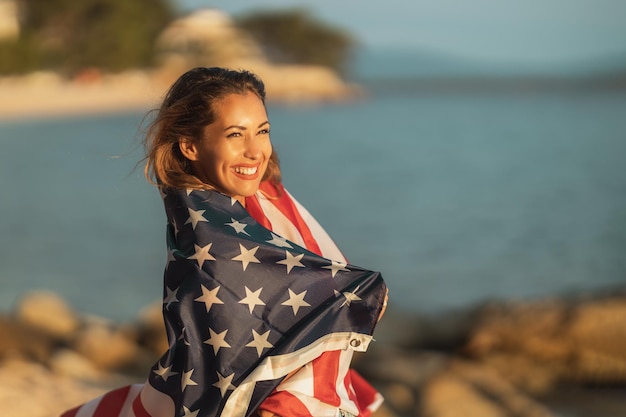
[(189, 106)]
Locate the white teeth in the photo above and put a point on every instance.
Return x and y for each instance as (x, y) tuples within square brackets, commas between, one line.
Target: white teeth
[(246, 171)]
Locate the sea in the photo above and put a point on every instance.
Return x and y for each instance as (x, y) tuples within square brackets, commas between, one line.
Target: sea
[(458, 196)]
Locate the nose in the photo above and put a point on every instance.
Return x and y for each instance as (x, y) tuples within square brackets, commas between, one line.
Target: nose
[(253, 149)]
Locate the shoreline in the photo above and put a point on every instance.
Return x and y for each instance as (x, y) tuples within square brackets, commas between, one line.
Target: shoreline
[(48, 95)]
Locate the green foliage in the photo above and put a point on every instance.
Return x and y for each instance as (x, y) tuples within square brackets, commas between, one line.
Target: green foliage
[(70, 35), (293, 36), (19, 56)]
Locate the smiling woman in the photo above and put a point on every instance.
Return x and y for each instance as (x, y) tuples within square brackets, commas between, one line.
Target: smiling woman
[(210, 131), (235, 150), (263, 314)]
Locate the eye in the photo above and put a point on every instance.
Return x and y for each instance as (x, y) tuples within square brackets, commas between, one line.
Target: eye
[(264, 132), (233, 135)]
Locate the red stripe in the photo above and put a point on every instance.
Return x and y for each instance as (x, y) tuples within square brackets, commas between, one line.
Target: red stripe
[(254, 208), (365, 393), (284, 403), (289, 210), (139, 409), (325, 374), (112, 402), (72, 412)]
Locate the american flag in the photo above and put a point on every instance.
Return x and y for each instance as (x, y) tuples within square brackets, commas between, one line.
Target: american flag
[(243, 308)]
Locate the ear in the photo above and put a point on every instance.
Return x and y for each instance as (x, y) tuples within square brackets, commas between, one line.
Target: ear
[(188, 148)]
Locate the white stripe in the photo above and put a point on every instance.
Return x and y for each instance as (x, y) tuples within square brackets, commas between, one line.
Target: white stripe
[(156, 403), (302, 381), (282, 226), (327, 245), (378, 401), (274, 367), (302, 386), (87, 409), (315, 407), (127, 408), (344, 367)]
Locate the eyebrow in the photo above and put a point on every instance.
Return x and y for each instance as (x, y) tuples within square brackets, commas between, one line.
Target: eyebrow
[(244, 128)]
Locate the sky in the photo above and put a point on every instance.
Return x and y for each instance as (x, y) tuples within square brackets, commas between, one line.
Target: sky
[(498, 31)]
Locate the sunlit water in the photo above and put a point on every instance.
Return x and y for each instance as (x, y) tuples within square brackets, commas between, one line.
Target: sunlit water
[(456, 198)]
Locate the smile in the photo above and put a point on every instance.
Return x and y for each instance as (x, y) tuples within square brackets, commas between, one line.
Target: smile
[(246, 170)]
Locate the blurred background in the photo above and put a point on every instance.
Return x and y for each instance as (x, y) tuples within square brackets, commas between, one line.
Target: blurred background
[(472, 151)]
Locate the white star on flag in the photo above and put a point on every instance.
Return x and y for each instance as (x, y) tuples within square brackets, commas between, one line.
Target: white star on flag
[(335, 267), (246, 256), (195, 217), (170, 298), (224, 383), (209, 297), (260, 342), (164, 373), (217, 340), (290, 261), (187, 381), (239, 227), (252, 299), (350, 297), (279, 241), (202, 254), (189, 413), (296, 301)]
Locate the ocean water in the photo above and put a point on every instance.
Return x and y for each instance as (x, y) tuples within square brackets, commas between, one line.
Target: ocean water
[(457, 198)]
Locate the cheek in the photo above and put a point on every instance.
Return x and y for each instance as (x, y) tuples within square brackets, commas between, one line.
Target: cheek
[(268, 149)]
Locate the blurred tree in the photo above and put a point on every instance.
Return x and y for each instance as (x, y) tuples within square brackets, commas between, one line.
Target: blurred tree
[(70, 35), (293, 36)]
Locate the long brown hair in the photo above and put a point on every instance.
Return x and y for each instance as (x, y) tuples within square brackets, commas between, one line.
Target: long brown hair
[(188, 107)]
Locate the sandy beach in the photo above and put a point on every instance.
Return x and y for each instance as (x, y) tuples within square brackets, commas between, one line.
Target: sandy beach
[(46, 94)]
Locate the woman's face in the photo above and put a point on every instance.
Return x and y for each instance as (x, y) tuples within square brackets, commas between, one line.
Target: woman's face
[(236, 148)]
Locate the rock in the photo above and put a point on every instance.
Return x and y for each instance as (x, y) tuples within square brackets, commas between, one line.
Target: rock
[(106, 346), (390, 364), (151, 329), (447, 395), (68, 362), (598, 337), (470, 389), (31, 389), (399, 397), (49, 313), (558, 340), (18, 340), (509, 359)]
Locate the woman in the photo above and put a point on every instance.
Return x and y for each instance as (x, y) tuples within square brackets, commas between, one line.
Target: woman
[(262, 311)]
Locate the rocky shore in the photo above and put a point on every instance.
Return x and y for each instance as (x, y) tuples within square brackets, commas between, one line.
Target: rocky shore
[(538, 358)]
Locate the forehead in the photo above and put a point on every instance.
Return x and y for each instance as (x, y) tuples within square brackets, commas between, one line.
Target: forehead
[(239, 105)]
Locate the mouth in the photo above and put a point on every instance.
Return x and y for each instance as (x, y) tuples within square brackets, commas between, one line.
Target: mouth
[(244, 172)]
